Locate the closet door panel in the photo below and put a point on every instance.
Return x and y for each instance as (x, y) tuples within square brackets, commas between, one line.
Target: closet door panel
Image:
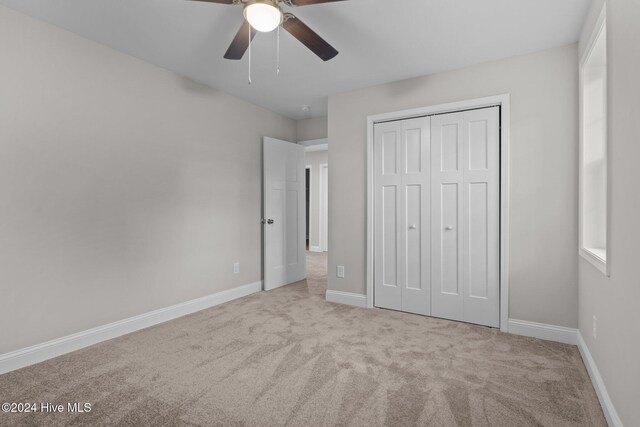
[(446, 216), (416, 141), (481, 151), (477, 240), (389, 219), (450, 282), (413, 148), (387, 216)]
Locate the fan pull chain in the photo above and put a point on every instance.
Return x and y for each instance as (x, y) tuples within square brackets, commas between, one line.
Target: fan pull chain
[(278, 53), (249, 53)]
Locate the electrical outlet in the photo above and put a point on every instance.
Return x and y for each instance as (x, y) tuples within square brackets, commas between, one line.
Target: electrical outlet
[(236, 267), (340, 271), (595, 327)]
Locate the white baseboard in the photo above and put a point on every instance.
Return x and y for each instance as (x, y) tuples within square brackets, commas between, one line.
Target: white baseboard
[(315, 249), (598, 384), (57, 347), (543, 331), (348, 298)]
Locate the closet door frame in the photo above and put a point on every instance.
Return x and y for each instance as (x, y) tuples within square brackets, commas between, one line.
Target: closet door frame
[(503, 101)]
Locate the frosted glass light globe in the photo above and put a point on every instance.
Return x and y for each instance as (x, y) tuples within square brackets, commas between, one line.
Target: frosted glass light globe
[(263, 16)]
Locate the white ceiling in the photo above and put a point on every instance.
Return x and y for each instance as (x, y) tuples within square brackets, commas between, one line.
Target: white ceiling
[(379, 40)]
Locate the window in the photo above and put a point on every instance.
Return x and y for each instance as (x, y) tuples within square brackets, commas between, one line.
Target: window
[(593, 149)]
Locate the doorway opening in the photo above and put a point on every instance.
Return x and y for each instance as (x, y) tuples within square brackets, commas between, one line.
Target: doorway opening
[(292, 248), (317, 189)]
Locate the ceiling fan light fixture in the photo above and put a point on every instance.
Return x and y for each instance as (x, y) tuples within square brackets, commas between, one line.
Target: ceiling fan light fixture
[(263, 16)]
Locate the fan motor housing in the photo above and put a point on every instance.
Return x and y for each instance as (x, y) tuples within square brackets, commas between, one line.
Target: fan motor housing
[(274, 3)]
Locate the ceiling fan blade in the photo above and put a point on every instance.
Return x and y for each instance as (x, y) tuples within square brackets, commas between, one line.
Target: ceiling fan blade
[(217, 1), (308, 37), (309, 2), (240, 42)]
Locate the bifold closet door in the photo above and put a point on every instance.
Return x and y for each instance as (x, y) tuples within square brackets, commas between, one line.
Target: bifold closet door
[(465, 184), (402, 211)]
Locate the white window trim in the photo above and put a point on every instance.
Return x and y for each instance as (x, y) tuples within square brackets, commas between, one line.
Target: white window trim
[(588, 255)]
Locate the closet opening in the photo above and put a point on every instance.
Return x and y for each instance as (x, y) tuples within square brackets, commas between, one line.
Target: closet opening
[(437, 211)]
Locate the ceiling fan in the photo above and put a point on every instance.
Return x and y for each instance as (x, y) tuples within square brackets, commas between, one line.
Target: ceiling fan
[(266, 16)]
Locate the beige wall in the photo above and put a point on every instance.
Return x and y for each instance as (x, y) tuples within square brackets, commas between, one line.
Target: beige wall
[(309, 129), (125, 188), (315, 159), (615, 300), (543, 257)]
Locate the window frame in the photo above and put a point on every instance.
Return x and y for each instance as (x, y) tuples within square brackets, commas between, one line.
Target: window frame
[(601, 264)]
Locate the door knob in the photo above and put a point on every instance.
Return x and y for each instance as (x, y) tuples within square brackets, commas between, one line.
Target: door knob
[(269, 221), (449, 227), (412, 227)]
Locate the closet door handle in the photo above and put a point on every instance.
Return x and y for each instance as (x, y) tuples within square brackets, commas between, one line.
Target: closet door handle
[(449, 227), (412, 227)]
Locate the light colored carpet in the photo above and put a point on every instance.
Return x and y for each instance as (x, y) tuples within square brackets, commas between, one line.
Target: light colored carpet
[(317, 273), (287, 357)]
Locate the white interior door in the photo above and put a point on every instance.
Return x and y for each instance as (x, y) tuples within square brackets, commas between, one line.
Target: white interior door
[(465, 187), (284, 213), (402, 215)]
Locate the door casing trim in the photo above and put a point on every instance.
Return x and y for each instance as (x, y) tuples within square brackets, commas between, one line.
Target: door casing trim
[(323, 204)]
